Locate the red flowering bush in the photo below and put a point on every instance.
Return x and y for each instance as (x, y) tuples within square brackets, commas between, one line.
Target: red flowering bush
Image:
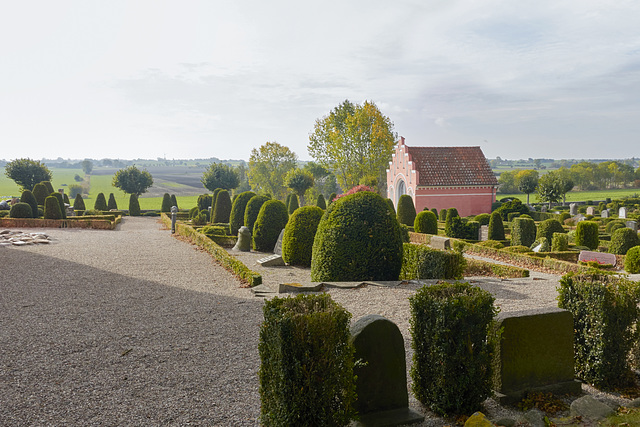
[(356, 189)]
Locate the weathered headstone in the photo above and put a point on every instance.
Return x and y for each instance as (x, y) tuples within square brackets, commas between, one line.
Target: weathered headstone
[(244, 240), (442, 243), (483, 233), (573, 209), (591, 210), (576, 219), (535, 353), (278, 248), (604, 213), (531, 208), (622, 213), (543, 208), (274, 260), (632, 225), (382, 376), (599, 257)]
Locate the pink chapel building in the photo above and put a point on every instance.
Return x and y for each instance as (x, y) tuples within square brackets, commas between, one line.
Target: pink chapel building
[(442, 178)]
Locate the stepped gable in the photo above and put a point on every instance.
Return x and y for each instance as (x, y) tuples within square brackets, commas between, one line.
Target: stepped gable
[(451, 166)]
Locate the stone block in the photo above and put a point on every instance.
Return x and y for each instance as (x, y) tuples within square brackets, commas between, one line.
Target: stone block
[(601, 257), (271, 261), (590, 408), (439, 242)]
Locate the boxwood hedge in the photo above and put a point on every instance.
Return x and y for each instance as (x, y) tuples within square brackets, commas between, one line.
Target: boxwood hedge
[(236, 219), (271, 220), (299, 233)]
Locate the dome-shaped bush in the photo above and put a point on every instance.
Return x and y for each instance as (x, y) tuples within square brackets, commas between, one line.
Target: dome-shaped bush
[(52, 208), (426, 222), (442, 216), (78, 203), (614, 225), (560, 242), (41, 192), (293, 204), (28, 197), (253, 209), (406, 210), (166, 203), (100, 203), (134, 205), (222, 209), (174, 201), (112, 204), (358, 238), (297, 242), (632, 260), (320, 202), (547, 227), (622, 240), (65, 199), (272, 218), (332, 197), (453, 225), (236, 219), (587, 234), (496, 227), (58, 197), (204, 202), (435, 212), (483, 218), (563, 217), (21, 210)]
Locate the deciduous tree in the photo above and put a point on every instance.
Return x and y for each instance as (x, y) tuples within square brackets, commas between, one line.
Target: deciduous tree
[(268, 166), (27, 173), (132, 180), (527, 181), (550, 188), (220, 175), (299, 181)]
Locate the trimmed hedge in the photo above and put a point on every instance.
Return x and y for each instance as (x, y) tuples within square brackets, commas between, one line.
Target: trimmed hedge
[(134, 205), (272, 218), (58, 196), (548, 227), (496, 227), (204, 202), (112, 204), (28, 198), (622, 240), (320, 202), (307, 358), (453, 225), (236, 219), (476, 267), (442, 216), (559, 242), (174, 201), (222, 207), (587, 234), (52, 208), (21, 210), (357, 239), (78, 203), (423, 262), (426, 222), (390, 203), (101, 203), (632, 260), (450, 323), (293, 204), (406, 210), (299, 233), (41, 192), (214, 198), (483, 219), (605, 311), (253, 209), (166, 203), (523, 232)]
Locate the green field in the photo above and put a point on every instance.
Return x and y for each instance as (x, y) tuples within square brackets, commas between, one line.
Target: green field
[(581, 196)]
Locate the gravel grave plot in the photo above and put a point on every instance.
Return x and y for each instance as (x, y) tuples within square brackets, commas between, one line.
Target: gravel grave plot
[(134, 327)]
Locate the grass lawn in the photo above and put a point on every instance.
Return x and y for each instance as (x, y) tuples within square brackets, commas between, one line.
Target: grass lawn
[(581, 196)]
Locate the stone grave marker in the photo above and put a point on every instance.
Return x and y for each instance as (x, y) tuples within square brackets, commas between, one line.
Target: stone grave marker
[(573, 209), (439, 242), (600, 257), (278, 248), (576, 219), (543, 208), (382, 377), (271, 261), (591, 210), (632, 225), (244, 240), (604, 213), (484, 233), (622, 213)]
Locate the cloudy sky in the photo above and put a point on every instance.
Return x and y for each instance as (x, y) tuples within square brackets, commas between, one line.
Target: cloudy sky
[(198, 79)]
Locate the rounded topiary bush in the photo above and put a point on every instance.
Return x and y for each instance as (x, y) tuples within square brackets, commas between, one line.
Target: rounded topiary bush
[(134, 205), (390, 203), (320, 202), (496, 227), (523, 232), (174, 201), (222, 209), (58, 197), (100, 203), (483, 219), (560, 242), (41, 192), (426, 222), (453, 225), (587, 234), (406, 210), (293, 204), (21, 210), (52, 208), (194, 211), (297, 242), (236, 219), (332, 197), (253, 209), (632, 260), (48, 186), (622, 240), (614, 225), (443, 214), (28, 197), (358, 239), (166, 203), (78, 203), (204, 202), (547, 227), (112, 204), (435, 212), (272, 218)]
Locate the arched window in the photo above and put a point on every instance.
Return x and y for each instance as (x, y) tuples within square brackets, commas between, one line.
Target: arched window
[(401, 189)]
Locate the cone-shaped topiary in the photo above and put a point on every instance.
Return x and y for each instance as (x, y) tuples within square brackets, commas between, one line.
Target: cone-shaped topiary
[(587, 234), (435, 212), (547, 227), (78, 203), (426, 222), (496, 227), (48, 186), (453, 227), (443, 214), (213, 198), (134, 205), (390, 203), (41, 192), (58, 196), (204, 201), (297, 242), (358, 239), (100, 203), (632, 260), (174, 201), (65, 199), (236, 219), (523, 232), (293, 204), (406, 210), (222, 208), (287, 200), (112, 204), (166, 203), (28, 197), (622, 240), (52, 208), (253, 209), (271, 220), (320, 202), (21, 210)]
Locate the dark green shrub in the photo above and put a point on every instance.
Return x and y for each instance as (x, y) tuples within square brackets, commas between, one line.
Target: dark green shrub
[(614, 225), (253, 209), (423, 262), (404, 233), (390, 203), (491, 244), (320, 202), (101, 203), (297, 242), (28, 198), (78, 203), (517, 249), (622, 240), (357, 239), (632, 260), (547, 227), (112, 204), (52, 208), (483, 219), (451, 369), (166, 203), (204, 202), (559, 242), (514, 205), (21, 210), (332, 197), (222, 209), (472, 230), (65, 199), (426, 222), (306, 371), (287, 200), (293, 204), (496, 227), (563, 217), (406, 210), (605, 310), (443, 214), (272, 218), (193, 212), (512, 215), (214, 230), (40, 192), (48, 186), (134, 205), (174, 201), (523, 232), (587, 234), (214, 197), (201, 218), (236, 219), (58, 197), (544, 244), (435, 212)]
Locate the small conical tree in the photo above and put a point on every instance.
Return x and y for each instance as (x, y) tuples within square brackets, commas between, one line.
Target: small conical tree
[(332, 197), (78, 203), (390, 203), (496, 227), (100, 203), (435, 212), (406, 210), (52, 208), (166, 203), (41, 193), (213, 199), (293, 204), (112, 204), (58, 196), (65, 198), (28, 197), (320, 202), (222, 210), (134, 205), (48, 186), (174, 201), (287, 200)]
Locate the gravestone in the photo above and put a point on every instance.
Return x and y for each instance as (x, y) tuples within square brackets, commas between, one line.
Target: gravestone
[(632, 225), (274, 260), (604, 213), (381, 383), (244, 240), (600, 257), (543, 208), (439, 242), (576, 219), (573, 209), (483, 233), (535, 354), (278, 248), (591, 210), (531, 208), (622, 213)]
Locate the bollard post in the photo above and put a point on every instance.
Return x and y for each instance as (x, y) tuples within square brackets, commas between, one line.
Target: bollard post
[(174, 215)]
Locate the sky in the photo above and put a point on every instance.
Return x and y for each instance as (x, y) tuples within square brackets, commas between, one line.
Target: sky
[(199, 79)]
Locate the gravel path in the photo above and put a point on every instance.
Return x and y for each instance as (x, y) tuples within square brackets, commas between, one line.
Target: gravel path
[(134, 327)]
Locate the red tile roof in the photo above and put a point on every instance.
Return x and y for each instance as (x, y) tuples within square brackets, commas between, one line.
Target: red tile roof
[(443, 166)]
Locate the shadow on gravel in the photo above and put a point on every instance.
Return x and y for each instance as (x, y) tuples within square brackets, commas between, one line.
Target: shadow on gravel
[(83, 346)]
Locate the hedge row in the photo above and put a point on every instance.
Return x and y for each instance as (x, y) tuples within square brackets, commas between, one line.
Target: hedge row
[(73, 222), (423, 262), (476, 267)]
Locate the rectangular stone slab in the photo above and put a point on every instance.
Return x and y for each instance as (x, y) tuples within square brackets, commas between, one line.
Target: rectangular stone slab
[(601, 257), (271, 261), (439, 242)]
